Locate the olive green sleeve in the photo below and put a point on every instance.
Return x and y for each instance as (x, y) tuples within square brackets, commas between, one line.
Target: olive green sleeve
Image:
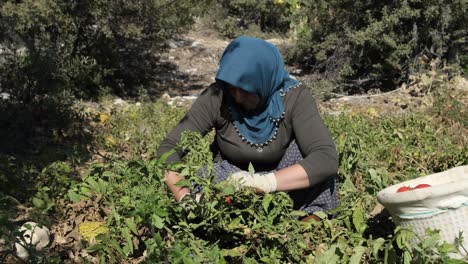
[(200, 118), (314, 140)]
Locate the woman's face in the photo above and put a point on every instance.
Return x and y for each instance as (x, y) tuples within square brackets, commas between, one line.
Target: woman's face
[(247, 101)]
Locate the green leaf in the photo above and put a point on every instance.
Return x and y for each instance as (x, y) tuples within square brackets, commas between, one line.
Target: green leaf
[(93, 183), (249, 261), (298, 213), (431, 241), (447, 248), (125, 200), (234, 223), (158, 239), (390, 255), (108, 174), (85, 191), (348, 185), (73, 196), (191, 215), (454, 261), (328, 257), (38, 203), (128, 248), (342, 244), (266, 201), (95, 247), (302, 245), (251, 168), (403, 238), (407, 257), (183, 183), (157, 221), (375, 177), (228, 190), (358, 219), (356, 257), (131, 225), (166, 155), (321, 215), (378, 243), (116, 246)]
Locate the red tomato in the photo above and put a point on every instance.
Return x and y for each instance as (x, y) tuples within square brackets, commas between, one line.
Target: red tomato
[(422, 185), (227, 199), (404, 189)]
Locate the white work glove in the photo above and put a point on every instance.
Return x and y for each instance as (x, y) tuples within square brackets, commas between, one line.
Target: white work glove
[(265, 182)]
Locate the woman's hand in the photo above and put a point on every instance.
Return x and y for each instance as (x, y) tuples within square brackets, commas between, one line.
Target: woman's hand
[(291, 178), (171, 180), (263, 183)]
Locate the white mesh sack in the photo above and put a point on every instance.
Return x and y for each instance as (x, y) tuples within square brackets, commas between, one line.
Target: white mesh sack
[(442, 206)]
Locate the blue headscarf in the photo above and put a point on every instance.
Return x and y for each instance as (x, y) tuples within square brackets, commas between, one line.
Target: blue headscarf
[(256, 66)]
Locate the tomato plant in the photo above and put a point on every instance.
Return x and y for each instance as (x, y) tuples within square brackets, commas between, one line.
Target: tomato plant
[(129, 194)]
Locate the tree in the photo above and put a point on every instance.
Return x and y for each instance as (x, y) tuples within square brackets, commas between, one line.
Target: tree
[(366, 44)]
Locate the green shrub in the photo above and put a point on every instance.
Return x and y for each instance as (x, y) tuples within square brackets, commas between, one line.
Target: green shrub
[(250, 17), (464, 61), (53, 51), (367, 44), (85, 46), (137, 130)]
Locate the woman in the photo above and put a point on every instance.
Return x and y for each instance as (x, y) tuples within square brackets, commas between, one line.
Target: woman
[(262, 116)]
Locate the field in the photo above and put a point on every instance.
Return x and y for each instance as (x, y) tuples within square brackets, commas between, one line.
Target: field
[(115, 207), (89, 90)]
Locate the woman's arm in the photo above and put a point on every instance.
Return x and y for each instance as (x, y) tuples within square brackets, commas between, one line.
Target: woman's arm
[(172, 178), (314, 141), (291, 178), (200, 118)]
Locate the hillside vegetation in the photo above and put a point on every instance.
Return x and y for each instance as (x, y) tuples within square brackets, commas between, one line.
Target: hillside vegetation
[(75, 159)]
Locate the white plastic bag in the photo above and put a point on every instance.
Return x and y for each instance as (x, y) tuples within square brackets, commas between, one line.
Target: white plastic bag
[(449, 190), (443, 206)]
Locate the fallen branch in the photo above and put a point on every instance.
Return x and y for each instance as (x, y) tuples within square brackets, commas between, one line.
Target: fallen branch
[(362, 96)]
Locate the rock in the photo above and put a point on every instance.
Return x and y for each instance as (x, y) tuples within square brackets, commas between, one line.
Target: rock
[(190, 97), (337, 113), (377, 209), (119, 101), (275, 41), (4, 96), (2, 245), (22, 51), (298, 72), (191, 71), (165, 96), (197, 45), (173, 45), (34, 237)]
